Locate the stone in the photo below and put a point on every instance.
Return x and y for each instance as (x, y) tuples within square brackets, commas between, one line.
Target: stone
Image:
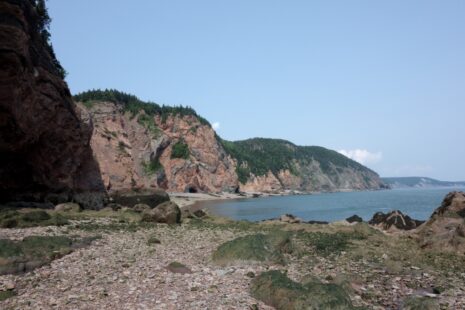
[(354, 219), (289, 218), (167, 212), (68, 207), (176, 267)]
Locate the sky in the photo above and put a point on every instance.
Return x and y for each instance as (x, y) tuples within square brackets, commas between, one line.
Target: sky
[(383, 82)]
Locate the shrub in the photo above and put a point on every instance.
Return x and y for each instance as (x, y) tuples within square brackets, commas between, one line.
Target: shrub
[(180, 150)]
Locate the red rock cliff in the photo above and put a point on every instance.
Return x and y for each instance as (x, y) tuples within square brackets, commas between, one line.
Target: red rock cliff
[(44, 145)]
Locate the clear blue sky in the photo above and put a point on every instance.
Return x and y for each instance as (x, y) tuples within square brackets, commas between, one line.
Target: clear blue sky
[(383, 77)]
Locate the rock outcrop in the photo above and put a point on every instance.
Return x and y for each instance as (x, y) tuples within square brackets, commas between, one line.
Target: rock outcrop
[(445, 230), (394, 220), (273, 165), (136, 151), (44, 143)]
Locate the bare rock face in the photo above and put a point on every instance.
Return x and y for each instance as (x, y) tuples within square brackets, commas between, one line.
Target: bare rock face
[(44, 145), (394, 220), (136, 152), (267, 184), (311, 178), (445, 230)]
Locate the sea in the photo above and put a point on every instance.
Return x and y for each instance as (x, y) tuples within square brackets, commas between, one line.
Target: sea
[(418, 203)]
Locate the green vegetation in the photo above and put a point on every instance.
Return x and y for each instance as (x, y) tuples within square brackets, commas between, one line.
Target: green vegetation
[(257, 247), (180, 150), (148, 122), (41, 25), (420, 303), (16, 219), (4, 295), (151, 167), (329, 243), (259, 155), (31, 252), (134, 105), (275, 289)]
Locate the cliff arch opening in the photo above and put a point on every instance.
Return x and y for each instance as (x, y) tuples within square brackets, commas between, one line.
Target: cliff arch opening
[(191, 189)]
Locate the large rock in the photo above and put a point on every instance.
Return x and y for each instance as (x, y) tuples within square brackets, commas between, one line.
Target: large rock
[(152, 198), (44, 145), (394, 220), (445, 230), (167, 212)]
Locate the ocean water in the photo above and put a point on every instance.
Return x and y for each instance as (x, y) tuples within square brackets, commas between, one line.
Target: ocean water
[(417, 203)]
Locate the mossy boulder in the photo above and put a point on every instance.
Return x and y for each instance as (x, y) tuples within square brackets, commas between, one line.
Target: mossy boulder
[(257, 247), (31, 252), (275, 289)]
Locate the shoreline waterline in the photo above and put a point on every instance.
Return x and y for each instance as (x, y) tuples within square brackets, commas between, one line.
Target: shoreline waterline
[(418, 203)]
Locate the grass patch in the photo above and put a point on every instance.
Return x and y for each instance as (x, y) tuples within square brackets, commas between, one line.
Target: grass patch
[(4, 295), (326, 244), (31, 252), (16, 219)]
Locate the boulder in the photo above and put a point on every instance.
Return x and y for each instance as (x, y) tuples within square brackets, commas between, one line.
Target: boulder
[(394, 220), (167, 212), (354, 219), (152, 198), (91, 200), (68, 207), (445, 230)]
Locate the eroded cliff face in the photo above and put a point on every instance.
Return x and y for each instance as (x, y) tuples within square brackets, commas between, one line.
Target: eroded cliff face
[(136, 151), (309, 177), (44, 145)]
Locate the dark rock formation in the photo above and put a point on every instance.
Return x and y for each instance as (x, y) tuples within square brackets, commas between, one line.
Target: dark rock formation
[(354, 219), (130, 198), (445, 230), (44, 145), (394, 219)]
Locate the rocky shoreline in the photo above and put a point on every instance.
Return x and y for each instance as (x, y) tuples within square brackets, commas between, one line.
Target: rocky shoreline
[(213, 263)]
